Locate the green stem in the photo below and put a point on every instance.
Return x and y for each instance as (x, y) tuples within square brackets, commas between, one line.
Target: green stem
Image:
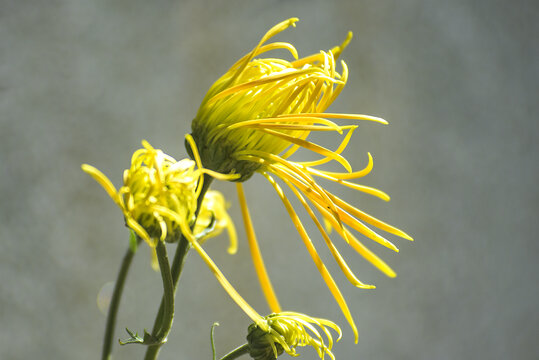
[(168, 292), (176, 270), (115, 302), (236, 353), (211, 339)]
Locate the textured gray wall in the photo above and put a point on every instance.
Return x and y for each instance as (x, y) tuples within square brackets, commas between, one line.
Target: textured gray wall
[(85, 81)]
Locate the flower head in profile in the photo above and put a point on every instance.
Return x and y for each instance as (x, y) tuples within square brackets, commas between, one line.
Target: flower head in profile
[(159, 201), (285, 331), (159, 194), (257, 115), (265, 105)]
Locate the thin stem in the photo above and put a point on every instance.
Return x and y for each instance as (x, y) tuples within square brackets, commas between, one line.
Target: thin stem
[(176, 270), (236, 353), (168, 292), (115, 302), (177, 266), (211, 339)]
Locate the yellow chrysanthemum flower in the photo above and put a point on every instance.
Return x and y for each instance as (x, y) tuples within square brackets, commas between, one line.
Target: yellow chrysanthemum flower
[(159, 198), (257, 115), (287, 330), (154, 187)]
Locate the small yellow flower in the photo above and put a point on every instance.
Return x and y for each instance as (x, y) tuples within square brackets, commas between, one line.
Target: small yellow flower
[(157, 192), (158, 200), (287, 330), (255, 117)]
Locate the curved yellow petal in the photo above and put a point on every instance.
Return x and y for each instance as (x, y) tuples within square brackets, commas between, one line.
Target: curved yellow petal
[(346, 116), (101, 180), (238, 299), (336, 255), (316, 258), (260, 268), (311, 146), (344, 176)]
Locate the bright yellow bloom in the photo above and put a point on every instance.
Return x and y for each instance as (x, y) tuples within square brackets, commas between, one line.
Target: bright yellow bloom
[(287, 330), (257, 115), (158, 200), (155, 187), (267, 105)]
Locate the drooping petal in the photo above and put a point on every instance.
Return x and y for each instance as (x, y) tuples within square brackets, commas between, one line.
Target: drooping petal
[(102, 180), (316, 258), (260, 268), (336, 255), (343, 176), (313, 147)]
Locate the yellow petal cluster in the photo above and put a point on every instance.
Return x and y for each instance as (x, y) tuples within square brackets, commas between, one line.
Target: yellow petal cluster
[(287, 330), (158, 196), (159, 199), (257, 115), (260, 105)]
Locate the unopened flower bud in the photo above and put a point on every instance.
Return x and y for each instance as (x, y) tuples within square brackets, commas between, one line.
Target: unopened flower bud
[(287, 330)]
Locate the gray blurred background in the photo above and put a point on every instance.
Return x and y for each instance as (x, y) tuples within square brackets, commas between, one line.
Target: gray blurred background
[(85, 81)]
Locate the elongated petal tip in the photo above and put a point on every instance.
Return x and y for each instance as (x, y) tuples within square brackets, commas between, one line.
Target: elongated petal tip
[(366, 287), (292, 21), (337, 50), (395, 231), (283, 25), (146, 144), (101, 180), (87, 168), (406, 236)]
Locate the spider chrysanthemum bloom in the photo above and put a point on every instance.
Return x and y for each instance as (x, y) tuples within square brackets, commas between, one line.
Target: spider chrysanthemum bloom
[(255, 117), (287, 330), (262, 104), (159, 201), (157, 191)]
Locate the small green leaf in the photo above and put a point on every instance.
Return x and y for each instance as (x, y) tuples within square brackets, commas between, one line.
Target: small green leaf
[(148, 339), (134, 339)]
